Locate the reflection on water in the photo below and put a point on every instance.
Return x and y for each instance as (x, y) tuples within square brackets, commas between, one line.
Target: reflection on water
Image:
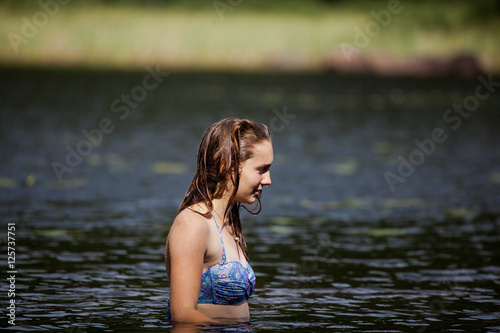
[(333, 249)]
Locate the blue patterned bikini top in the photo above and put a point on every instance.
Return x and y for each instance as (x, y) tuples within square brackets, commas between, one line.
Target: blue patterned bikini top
[(228, 282)]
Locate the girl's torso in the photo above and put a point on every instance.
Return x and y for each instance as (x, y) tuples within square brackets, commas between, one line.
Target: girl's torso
[(227, 279)]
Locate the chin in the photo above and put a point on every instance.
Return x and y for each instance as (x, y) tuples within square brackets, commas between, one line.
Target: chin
[(247, 201)]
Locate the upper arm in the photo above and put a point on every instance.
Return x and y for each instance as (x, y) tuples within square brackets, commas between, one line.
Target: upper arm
[(186, 247)]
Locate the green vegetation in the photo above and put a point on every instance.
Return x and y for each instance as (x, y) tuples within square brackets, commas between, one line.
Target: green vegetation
[(253, 34)]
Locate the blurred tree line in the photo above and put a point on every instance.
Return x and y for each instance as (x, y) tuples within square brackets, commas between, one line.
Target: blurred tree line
[(477, 9)]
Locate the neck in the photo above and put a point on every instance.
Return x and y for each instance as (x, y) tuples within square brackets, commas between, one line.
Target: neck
[(220, 206)]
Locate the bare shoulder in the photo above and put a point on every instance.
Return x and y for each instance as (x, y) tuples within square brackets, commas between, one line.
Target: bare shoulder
[(189, 222)]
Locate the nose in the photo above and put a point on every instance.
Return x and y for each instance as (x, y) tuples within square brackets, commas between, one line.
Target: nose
[(266, 179)]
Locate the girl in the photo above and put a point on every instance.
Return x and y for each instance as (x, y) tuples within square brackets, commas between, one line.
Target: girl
[(205, 252)]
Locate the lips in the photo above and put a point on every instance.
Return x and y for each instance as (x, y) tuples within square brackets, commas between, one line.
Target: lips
[(257, 193)]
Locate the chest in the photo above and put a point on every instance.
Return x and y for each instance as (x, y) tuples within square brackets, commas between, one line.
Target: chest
[(217, 247)]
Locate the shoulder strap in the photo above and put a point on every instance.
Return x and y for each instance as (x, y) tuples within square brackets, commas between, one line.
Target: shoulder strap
[(222, 241)]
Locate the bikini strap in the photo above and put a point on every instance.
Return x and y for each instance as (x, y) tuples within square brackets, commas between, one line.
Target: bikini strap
[(222, 241)]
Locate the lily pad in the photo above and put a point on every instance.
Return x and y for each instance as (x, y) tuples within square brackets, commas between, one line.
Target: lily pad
[(386, 232), (354, 203), (333, 205), (305, 203), (398, 203), (94, 160), (285, 220), (30, 180), (115, 162), (69, 183), (495, 177), (280, 229), (55, 232), (345, 168), (383, 147), (7, 182), (460, 212), (172, 168)]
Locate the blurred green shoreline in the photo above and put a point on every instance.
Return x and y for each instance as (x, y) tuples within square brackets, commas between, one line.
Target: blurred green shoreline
[(254, 35)]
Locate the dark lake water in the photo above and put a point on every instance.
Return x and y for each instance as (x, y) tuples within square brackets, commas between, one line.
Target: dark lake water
[(384, 213)]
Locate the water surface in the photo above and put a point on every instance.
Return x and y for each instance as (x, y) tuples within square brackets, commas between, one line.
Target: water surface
[(334, 249)]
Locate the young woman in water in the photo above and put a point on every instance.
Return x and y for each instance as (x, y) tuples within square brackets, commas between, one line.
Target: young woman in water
[(205, 252)]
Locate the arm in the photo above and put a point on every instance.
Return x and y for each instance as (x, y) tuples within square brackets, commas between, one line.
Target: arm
[(186, 248)]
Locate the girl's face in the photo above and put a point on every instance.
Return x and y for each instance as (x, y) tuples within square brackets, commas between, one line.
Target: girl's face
[(255, 173)]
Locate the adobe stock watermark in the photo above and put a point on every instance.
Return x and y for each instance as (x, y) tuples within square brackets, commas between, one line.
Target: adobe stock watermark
[(371, 29), (30, 28), (280, 120), (92, 320), (221, 7), (436, 305), (94, 137), (454, 118), (324, 250)]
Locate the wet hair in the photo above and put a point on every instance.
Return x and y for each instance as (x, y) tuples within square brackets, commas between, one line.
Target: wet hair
[(225, 145)]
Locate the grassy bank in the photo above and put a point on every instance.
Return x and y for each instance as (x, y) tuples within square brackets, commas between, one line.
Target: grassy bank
[(244, 37)]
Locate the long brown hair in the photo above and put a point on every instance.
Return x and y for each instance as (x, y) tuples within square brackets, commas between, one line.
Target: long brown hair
[(225, 145)]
